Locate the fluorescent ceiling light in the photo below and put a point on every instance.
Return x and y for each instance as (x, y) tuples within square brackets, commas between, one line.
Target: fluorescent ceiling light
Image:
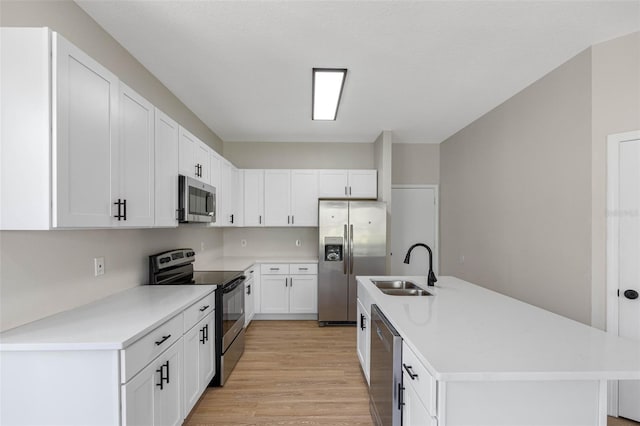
[(327, 91)]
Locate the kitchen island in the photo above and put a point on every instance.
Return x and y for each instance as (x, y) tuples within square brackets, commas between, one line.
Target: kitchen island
[(488, 359)]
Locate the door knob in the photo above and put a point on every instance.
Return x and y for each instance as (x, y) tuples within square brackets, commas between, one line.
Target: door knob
[(631, 294)]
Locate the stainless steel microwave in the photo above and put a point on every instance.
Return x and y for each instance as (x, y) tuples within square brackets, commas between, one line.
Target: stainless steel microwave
[(196, 201)]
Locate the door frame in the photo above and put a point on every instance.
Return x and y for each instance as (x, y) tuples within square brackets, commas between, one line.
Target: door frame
[(436, 197), (613, 222)]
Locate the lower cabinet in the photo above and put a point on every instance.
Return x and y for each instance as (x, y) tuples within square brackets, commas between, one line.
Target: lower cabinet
[(363, 341), (199, 361), (289, 288), (249, 295), (153, 397), (414, 412)]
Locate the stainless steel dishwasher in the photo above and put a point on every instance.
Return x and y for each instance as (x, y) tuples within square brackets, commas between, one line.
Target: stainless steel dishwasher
[(385, 383)]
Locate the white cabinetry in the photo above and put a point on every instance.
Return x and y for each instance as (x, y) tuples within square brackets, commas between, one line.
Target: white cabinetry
[(249, 295), (253, 197), (348, 184), (363, 343), (166, 170), (134, 176), (194, 157), (114, 361), (199, 360), (215, 162), (291, 197), (414, 412), (230, 196), (153, 397), (289, 289)]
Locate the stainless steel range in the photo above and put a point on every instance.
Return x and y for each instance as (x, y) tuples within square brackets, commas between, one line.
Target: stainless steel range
[(175, 267)]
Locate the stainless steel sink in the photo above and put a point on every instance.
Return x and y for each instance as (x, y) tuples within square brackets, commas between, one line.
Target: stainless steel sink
[(405, 292), (400, 288)]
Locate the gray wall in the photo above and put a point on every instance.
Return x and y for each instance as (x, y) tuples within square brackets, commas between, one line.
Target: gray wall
[(415, 164), (616, 109), (42, 273), (515, 190), (271, 242), (304, 155)]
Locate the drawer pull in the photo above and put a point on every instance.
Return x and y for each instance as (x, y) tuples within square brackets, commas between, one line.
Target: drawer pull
[(409, 371), (164, 339), (204, 308), (303, 269), (274, 269)]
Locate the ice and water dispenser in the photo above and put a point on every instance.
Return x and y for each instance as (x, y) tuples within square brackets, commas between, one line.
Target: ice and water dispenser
[(333, 249)]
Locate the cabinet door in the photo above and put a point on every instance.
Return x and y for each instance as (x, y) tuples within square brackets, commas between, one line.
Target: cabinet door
[(206, 356), (253, 197), (228, 195), (303, 294), (237, 186), (413, 412), (363, 337), (274, 294), (191, 371), (135, 163), (85, 107), (277, 196), (304, 197), (249, 296), (333, 183), (202, 159), (187, 154), (167, 399), (166, 170), (215, 163), (363, 184)]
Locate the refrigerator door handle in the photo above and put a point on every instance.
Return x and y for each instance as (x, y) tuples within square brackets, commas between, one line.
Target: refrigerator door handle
[(351, 250), (345, 256)]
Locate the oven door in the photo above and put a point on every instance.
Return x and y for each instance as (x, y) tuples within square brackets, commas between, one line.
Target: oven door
[(232, 311)]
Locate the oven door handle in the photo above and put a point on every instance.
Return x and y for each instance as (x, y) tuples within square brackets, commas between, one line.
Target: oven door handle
[(233, 284)]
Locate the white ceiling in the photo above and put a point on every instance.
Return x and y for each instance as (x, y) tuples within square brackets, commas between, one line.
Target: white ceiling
[(424, 69)]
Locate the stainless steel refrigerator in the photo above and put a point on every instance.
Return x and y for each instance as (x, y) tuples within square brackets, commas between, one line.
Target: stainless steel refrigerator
[(352, 241)]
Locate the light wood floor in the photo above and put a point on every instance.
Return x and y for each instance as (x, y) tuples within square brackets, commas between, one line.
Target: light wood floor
[(295, 373), (291, 373)]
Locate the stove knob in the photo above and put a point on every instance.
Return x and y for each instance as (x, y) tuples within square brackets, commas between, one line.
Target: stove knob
[(190, 254)]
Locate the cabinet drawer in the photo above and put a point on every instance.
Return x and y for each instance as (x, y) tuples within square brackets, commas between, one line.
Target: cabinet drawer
[(274, 268), (141, 352), (419, 378), (199, 310), (303, 268), (250, 272)]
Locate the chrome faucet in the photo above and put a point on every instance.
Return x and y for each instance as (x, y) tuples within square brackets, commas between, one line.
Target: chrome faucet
[(431, 277)]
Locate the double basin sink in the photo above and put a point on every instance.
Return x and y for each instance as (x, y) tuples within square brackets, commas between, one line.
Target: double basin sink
[(400, 288)]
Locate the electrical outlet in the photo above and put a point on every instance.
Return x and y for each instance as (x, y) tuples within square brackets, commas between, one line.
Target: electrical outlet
[(243, 243), (298, 243), (98, 266)]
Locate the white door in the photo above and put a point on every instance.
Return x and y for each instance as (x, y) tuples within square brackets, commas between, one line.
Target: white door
[(253, 197), (363, 184), (303, 294), (191, 371), (167, 398), (135, 165), (215, 163), (166, 170), (333, 183), (277, 197), (207, 362), (629, 266), (86, 102), (187, 155), (202, 153), (304, 197), (274, 294), (413, 220), (249, 302)]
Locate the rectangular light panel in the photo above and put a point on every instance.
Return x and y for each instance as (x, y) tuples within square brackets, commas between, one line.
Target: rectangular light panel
[(327, 91)]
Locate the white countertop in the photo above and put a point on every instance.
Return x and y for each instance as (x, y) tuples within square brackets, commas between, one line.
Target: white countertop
[(107, 324), (466, 332), (242, 263)]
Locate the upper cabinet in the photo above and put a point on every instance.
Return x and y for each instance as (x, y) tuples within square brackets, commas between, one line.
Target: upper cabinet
[(291, 197), (253, 197), (166, 170), (194, 157), (230, 196), (348, 184)]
